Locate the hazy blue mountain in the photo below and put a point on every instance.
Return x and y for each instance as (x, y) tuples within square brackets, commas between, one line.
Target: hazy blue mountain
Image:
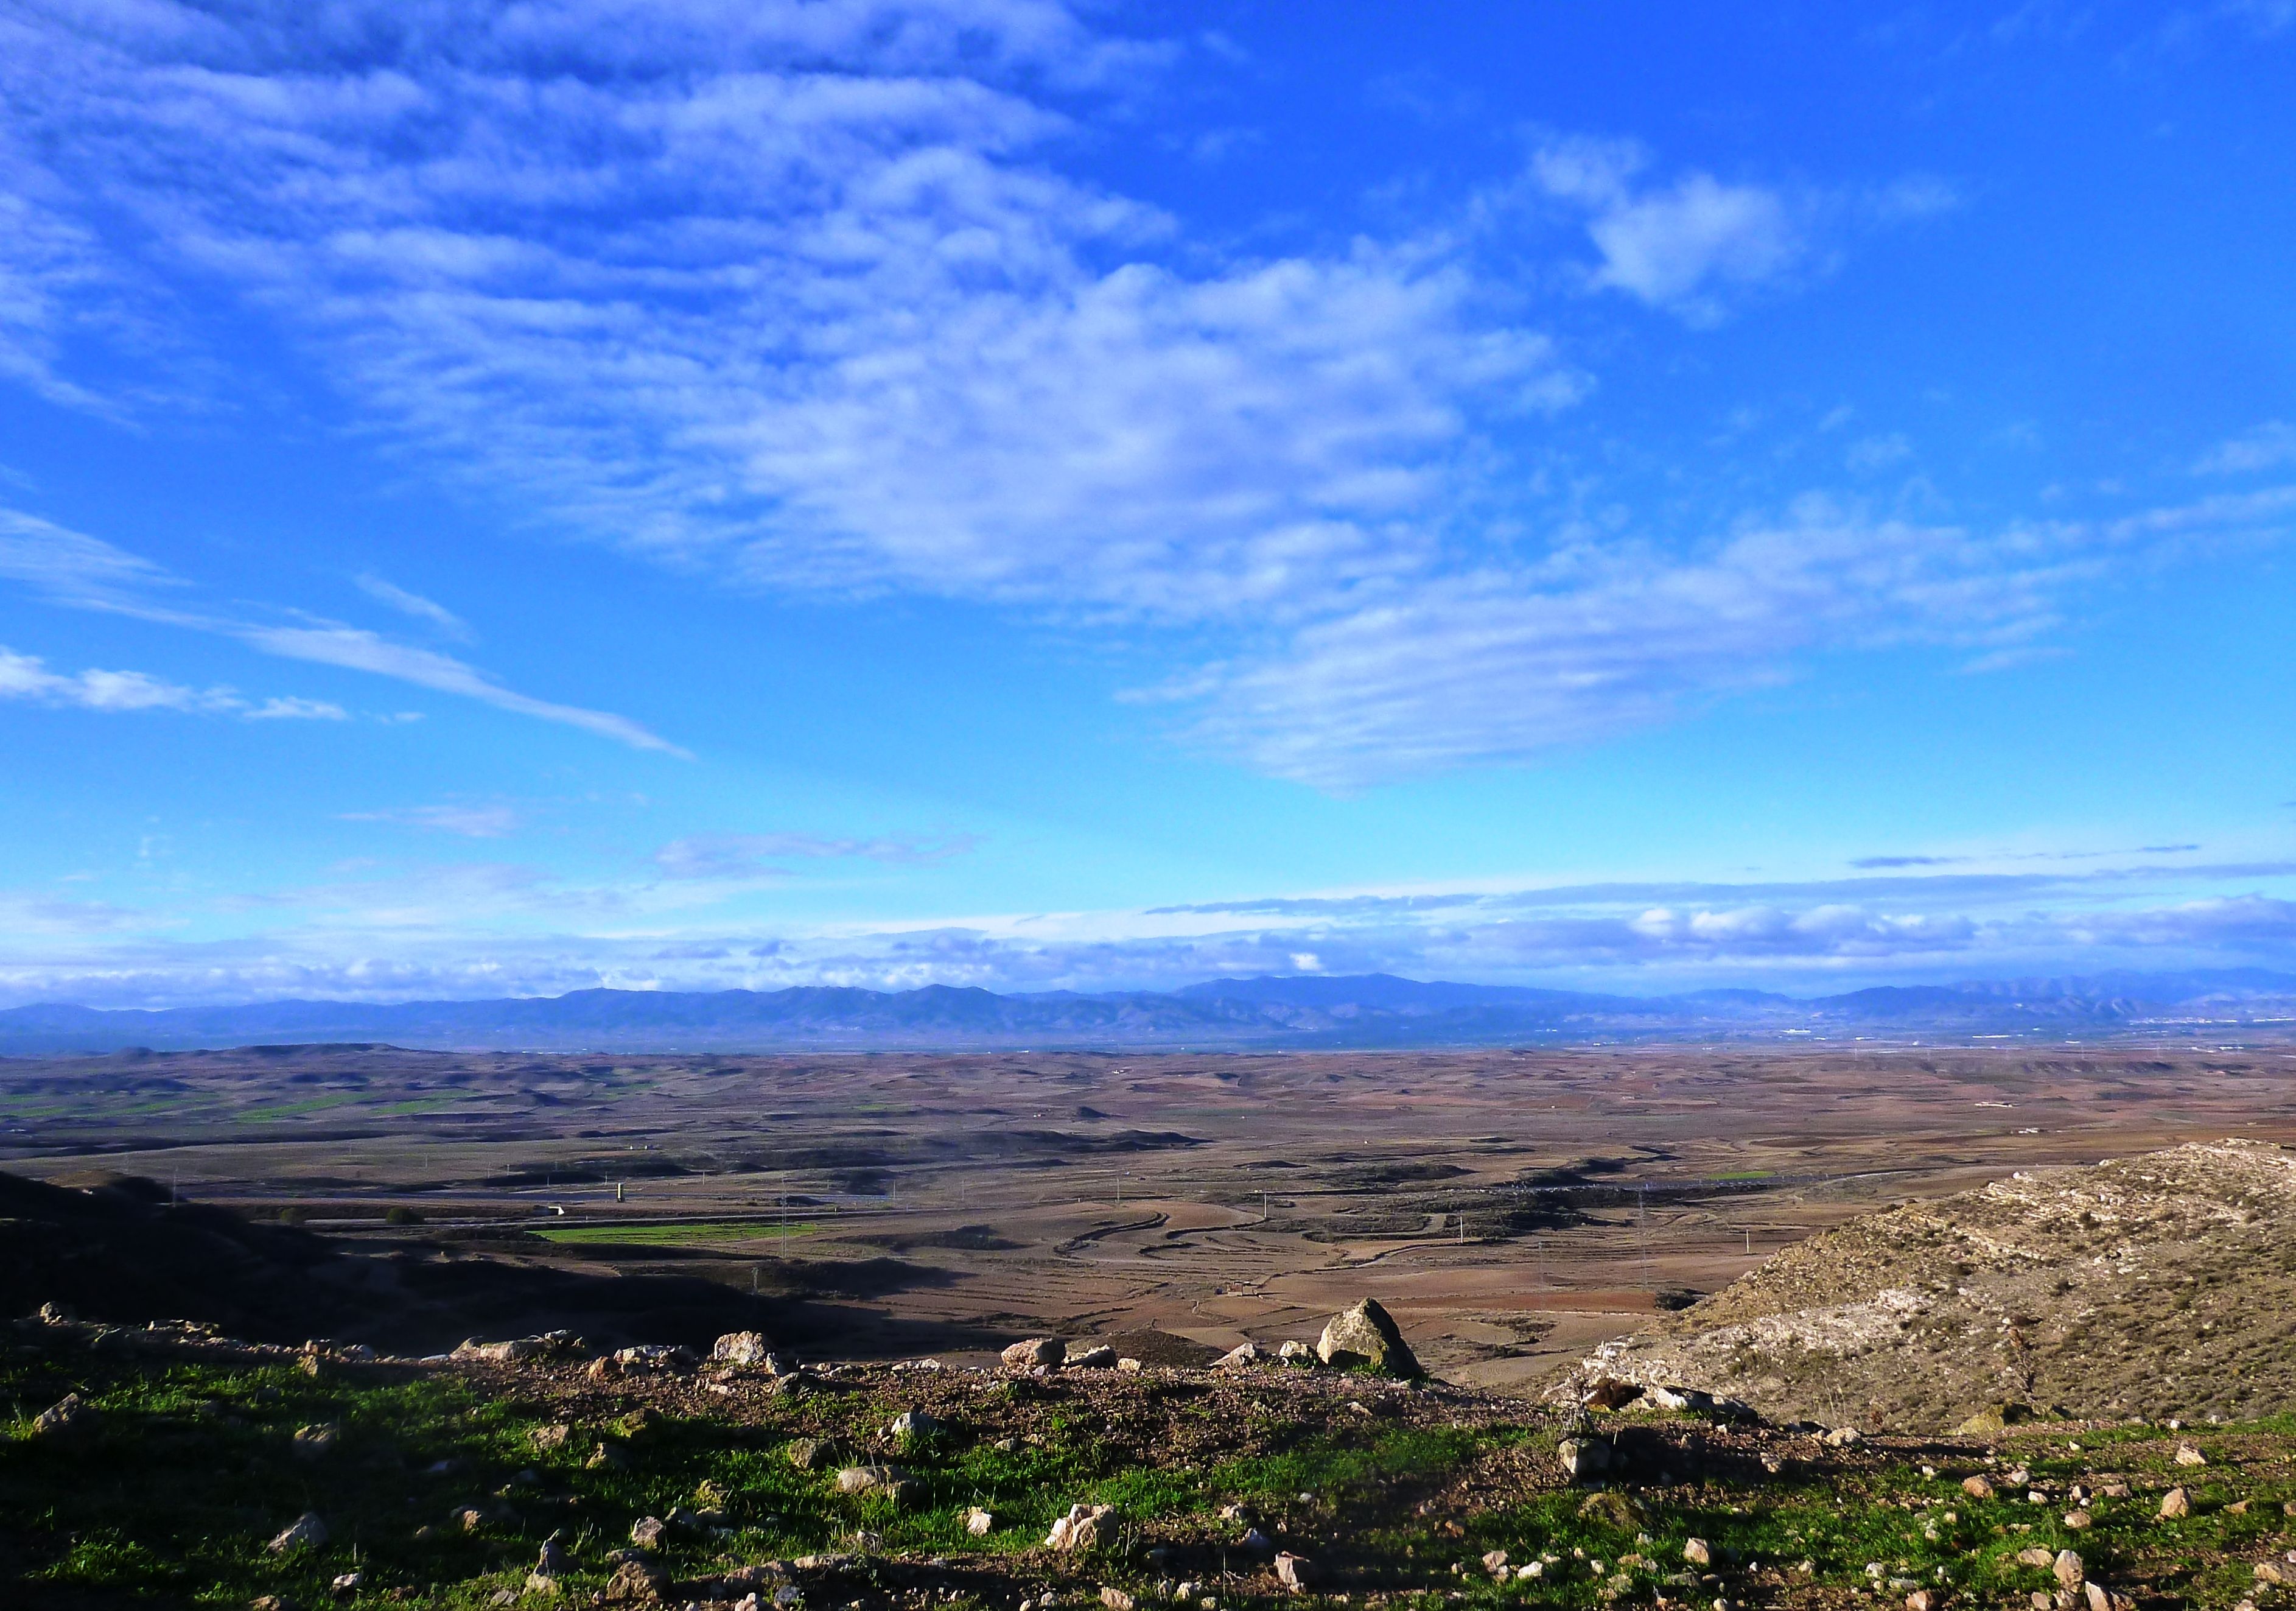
[(1372, 1010)]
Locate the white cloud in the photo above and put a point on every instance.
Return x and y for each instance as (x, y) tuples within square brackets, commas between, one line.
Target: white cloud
[(26, 677), (470, 821), (2268, 447), (1498, 665), (796, 295), (358, 650), (412, 934), (800, 301), (1870, 454), (85, 573), (743, 856), (1682, 245), (414, 605), (298, 710)]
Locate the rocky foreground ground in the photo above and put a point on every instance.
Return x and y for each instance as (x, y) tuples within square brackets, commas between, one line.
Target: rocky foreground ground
[(168, 1467)]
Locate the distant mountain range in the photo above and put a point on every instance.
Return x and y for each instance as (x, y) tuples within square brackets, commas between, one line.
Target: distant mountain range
[(1368, 1010)]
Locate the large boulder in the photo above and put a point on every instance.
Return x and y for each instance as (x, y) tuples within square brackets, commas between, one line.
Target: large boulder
[(740, 1348), (1047, 1352), (1366, 1337)]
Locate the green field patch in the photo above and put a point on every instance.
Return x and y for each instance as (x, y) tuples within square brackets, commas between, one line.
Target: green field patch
[(709, 1234), (296, 1110), (418, 1105)]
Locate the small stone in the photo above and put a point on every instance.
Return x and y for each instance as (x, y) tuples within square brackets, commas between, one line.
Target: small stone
[(1697, 1552), (1612, 1508), (2037, 1556), (637, 1581), (648, 1532), (2186, 1455), (347, 1582), (1130, 1366), (1924, 1600), (1047, 1352), (804, 1453), (556, 1435), (979, 1523), (1583, 1457), (1099, 1357), (309, 1443), (1494, 1562), (1114, 1598), (1295, 1572), (66, 1420), (1242, 1353), (2271, 1571), (2176, 1502), (466, 1519), (1977, 1488), (912, 1424), (2078, 1521), (1079, 1529), (306, 1533), (2070, 1573), (551, 1560), (608, 1457), (1296, 1352), (863, 1479)]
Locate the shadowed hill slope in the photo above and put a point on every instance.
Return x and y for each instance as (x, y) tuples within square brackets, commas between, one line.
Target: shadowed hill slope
[(118, 1252)]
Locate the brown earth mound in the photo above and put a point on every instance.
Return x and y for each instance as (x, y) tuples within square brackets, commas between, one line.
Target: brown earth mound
[(2154, 1285)]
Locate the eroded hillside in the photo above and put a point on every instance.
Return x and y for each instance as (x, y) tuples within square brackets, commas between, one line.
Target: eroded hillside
[(2161, 1284)]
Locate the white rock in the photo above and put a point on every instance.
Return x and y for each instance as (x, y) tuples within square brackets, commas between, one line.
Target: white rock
[(308, 1533), (1079, 1529), (740, 1348)]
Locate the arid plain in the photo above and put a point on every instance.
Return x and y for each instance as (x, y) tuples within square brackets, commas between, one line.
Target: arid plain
[(1511, 1208)]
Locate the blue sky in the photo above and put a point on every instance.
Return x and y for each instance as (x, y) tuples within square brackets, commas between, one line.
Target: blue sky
[(507, 498)]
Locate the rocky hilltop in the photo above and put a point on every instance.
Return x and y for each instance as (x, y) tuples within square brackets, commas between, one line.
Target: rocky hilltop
[(2158, 1285)]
